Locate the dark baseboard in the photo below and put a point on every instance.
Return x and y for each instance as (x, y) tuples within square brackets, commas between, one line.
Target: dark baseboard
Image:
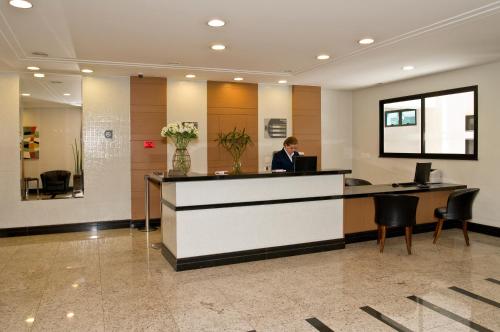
[(156, 222), (64, 228), (393, 232), (483, 229), (191, 263)]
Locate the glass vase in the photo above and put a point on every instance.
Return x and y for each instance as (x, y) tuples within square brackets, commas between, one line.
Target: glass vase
[(181, 161), (236, 166)]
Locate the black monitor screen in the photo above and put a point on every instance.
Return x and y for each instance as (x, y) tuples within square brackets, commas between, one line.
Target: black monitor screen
[(422, 173), (305, 163)]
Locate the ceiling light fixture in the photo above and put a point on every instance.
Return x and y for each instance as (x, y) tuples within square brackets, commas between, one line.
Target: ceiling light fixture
[(33, 68), (39, 75), (408, 68), (282, 81), (70, 314), (23, 4), (218, 47), (238, 78), (190, 76), (30, 320), (216, 23), (25, 94), (323, 57), (366, 41), (87, 71), (67, 94)]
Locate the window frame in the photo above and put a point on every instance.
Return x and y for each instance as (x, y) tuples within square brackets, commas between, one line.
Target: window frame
[(423, 154)]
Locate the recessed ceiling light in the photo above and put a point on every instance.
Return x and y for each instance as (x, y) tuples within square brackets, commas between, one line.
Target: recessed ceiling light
[(30, 320), (282, 81), (366, 41), (75, 285), (408, 68), (67, 94), (21, 4), (25, 94), (87, 71), (238, 78), (216, 23), (93, 237), (70, 314), (39, 75), (323, 57), (190, 76), (33, 68), (218, 47)]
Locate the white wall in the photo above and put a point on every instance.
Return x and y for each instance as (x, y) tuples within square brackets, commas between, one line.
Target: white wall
[(336, 129), (482, 174), (58, 129), (275, 101), (106, 105), (187, 102)]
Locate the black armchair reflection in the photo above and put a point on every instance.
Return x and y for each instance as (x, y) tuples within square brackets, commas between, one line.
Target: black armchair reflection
[(55, 182)]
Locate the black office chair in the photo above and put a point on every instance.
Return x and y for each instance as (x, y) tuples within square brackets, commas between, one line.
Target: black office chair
[(459, 207), (350, 182), (55, 182), (395, 211)]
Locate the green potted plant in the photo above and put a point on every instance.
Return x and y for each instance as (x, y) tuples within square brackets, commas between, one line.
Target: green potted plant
[(235, 142), (78, 174)]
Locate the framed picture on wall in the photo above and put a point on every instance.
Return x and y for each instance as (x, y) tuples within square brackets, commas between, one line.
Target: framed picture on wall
[(31, 143)]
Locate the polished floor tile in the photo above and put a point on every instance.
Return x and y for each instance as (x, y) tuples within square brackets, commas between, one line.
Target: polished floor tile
[(113, 280)]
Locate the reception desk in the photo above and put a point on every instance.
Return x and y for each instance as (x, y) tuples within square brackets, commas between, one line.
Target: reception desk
[(210, 220)]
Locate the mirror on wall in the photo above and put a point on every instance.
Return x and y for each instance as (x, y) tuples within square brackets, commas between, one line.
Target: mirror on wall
[(51, 148), (436, 125)]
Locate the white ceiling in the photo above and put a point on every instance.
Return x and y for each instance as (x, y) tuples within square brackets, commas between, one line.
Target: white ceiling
[(266, 40)]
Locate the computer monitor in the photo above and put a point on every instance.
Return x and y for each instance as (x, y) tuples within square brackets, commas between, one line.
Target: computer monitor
[(422, 173), (305, 163)]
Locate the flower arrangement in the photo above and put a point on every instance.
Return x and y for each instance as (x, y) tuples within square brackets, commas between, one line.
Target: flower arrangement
[(181, 133), (235, 142)]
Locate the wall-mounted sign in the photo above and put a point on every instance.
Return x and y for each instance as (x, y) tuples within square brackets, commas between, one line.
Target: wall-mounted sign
[(149, 144), (274, 128), (108, 134)]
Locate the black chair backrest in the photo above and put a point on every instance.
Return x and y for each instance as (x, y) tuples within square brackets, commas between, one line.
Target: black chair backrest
[(395, 210), (350, 182), (460, 204), (58, 175)]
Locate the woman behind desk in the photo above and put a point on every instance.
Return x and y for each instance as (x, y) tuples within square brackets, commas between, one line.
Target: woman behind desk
[(284, 159)]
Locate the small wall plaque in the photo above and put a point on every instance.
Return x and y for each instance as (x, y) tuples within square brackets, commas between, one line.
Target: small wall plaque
[(149, 144), (274, 128), (108, 134)]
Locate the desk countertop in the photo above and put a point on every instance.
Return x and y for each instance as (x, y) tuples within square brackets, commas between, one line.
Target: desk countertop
[(370, 190), (166, 177)]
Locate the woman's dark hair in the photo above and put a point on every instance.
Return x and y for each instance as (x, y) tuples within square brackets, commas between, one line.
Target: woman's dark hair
[(290, 141)]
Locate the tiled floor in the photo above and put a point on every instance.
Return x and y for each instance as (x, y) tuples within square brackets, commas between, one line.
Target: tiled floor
[(77, 282)]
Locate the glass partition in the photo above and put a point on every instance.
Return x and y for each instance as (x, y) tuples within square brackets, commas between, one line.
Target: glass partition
[(51, 132), (436, 125)]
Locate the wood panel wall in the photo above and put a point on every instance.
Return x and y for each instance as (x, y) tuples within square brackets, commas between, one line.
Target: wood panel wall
[(232, 105), (306, 119), (148, 107)]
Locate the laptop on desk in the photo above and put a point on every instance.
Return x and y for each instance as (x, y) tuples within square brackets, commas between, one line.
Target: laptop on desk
[(422, 174)]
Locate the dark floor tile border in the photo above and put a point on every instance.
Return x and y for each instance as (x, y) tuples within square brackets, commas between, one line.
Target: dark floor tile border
[(384, 319), (78, 227), (318, 325), (449, 314), (198, 262), (495, 281), (475, 296), (393, 232)]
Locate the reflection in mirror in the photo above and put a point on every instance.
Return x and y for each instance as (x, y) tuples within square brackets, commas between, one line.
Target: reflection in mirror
[(449, 123), (402, 132), (51, 133)]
